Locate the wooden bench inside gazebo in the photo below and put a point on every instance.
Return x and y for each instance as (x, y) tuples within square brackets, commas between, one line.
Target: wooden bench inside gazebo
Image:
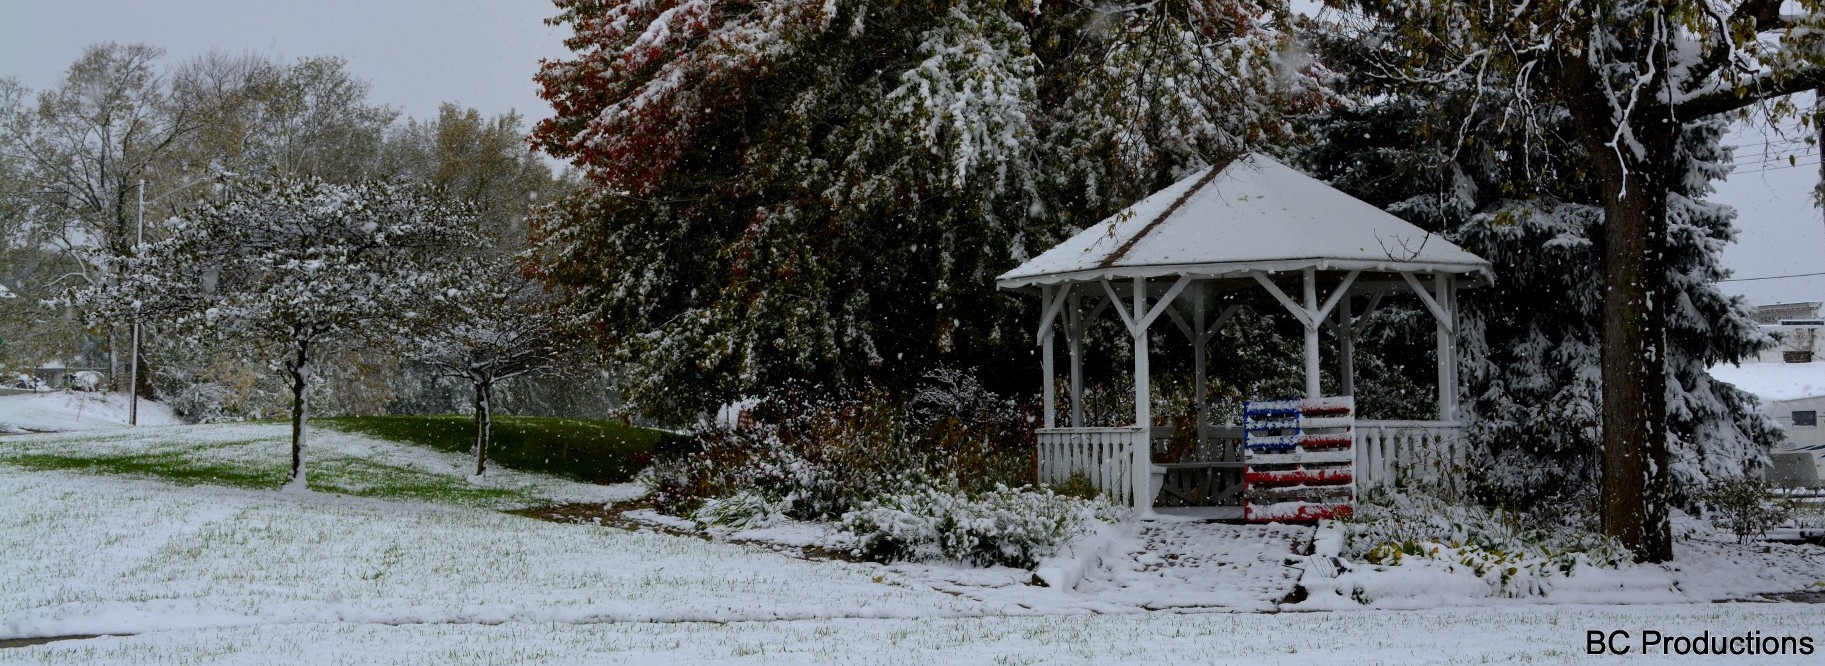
[(1247, 230)]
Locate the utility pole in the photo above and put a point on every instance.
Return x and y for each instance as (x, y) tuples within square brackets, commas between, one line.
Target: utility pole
[(139, 238)]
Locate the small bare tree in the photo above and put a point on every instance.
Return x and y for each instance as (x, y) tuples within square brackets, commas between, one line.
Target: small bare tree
[(495, 324), (297, 267)]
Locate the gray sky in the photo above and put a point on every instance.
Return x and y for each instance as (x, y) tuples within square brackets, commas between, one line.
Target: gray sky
[(417, 53), (482, 53)]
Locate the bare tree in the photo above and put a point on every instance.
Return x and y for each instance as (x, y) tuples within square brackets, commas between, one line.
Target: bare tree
[(300, 267), (502, 325)]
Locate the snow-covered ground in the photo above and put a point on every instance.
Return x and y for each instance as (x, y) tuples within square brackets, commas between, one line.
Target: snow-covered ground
[(212, 574), (60, 411), (259, 456), (1477, 636), (1775, 381)]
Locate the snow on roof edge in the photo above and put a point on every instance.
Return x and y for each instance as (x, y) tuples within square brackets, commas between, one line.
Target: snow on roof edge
[(1238, 269)]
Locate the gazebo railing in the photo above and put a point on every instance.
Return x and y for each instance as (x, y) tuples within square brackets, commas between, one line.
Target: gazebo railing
[(1409, 453), (1388, 454), (1104, 455)]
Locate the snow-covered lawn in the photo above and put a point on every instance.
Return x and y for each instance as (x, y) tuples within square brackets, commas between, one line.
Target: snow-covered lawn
[(258, 456), (59, 411), (175, 534), (1473, 636), (83, 554)]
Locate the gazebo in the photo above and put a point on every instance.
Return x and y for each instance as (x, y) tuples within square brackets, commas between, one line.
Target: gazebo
[(1250, 228)]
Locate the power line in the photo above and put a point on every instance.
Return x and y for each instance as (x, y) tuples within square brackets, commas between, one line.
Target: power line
[(1773, 277), (1777, 167)]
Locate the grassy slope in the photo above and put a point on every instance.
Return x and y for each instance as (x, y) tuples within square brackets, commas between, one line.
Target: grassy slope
[(591, 451)]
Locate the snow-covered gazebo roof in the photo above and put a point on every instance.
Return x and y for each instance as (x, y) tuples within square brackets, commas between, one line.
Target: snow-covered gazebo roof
[(1249, 214)]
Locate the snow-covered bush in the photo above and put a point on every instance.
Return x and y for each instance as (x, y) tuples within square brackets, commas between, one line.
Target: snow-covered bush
[(819, 456), (1012, 527), (1745, 506), (739, 511), (1385, 518), (1516, 554)]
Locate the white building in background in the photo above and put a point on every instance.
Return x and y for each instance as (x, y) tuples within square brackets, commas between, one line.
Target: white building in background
[(1777, 313), (1789, 380)]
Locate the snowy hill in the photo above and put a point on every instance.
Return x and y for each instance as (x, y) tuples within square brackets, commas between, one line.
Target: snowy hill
[(62, 411)]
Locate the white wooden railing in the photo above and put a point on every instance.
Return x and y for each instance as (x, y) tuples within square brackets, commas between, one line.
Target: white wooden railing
[(1407, 453), (1104, 455), (1388, 454)]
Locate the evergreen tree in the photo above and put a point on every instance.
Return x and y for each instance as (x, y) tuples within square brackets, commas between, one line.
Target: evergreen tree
[(1517, 192), (825, 190)]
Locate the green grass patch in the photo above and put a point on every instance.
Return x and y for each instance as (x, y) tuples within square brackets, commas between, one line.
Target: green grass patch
[(335, 474), (578, 449), (169, 466)]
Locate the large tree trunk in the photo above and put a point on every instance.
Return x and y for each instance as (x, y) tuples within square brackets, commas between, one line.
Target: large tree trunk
[(299, 367), (1635, 172), (483, 423), (1634, 367)]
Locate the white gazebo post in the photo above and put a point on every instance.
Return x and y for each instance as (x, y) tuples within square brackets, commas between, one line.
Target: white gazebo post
[(1312, 389), (1143, 401), (1346, 347), (1198, 359), (1311, 315), (1052, 299), (1446, 294), (1074, 342), (1048, 374), (1442, 302)]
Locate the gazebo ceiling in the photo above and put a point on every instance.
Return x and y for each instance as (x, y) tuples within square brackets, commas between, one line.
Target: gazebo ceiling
[(1249, 214)]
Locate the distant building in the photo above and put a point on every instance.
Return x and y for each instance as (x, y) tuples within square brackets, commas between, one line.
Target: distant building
[(1797, 343), (1780, 313), (1793, 394)]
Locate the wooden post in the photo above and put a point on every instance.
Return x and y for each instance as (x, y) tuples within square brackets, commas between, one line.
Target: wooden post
[(1048, 372), (1312, 389), (1074, 341), (1143, 404), (1445, 294), (1346, 348), (1198, 328)]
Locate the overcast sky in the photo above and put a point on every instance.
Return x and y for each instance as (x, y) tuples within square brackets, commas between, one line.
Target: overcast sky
[(482, 53)]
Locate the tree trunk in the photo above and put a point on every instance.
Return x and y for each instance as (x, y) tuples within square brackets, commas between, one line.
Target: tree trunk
[(483, 423), (299, 368), (1634, 369), (1635, 185)]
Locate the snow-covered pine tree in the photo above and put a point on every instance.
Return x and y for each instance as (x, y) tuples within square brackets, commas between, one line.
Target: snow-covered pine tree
[(300, 267), (1628, 80), (1532, 358), (797, 189)]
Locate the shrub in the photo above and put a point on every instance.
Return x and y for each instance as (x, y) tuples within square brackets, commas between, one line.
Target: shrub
[(1012, 527), (1385, 520), (1078, 486), (817, 456), (1516, 554), (1744, 506)]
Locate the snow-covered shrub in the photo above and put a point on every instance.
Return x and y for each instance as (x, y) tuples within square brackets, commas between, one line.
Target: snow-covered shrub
[(1398, 517), (1388, 526), (819, 456), (739, 511), (1012, 527), (1745, 506), (1515, 554)]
